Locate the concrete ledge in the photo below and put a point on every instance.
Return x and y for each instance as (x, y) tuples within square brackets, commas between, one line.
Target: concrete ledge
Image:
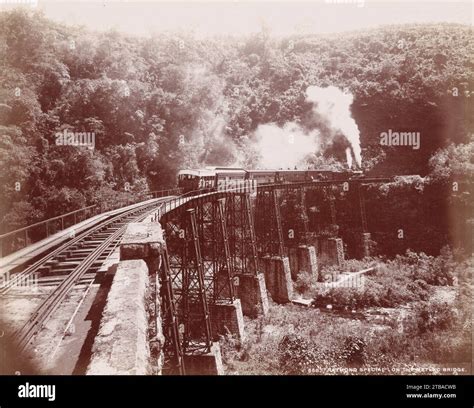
[(142, 240), (110, 265), (121, 345)]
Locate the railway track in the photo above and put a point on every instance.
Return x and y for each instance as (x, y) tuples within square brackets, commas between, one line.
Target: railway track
[(76, 261)]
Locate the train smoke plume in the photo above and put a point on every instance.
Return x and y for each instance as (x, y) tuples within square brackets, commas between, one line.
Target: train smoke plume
[(329, 125), (285, 147), (334, 106)]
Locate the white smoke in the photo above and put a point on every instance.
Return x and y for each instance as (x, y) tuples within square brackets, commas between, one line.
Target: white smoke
[(335, 106), (284, 147), (349, 157), (290, 145)]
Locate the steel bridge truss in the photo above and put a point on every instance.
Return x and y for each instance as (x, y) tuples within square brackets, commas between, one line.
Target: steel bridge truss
[(268, 223), (282, 216), (242, 238), (209, 240)]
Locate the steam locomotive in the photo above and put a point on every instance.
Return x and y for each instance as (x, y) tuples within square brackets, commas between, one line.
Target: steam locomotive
[(210, 177)]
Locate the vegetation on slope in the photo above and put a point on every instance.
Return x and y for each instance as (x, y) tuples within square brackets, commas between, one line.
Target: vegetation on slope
[(159, 104)]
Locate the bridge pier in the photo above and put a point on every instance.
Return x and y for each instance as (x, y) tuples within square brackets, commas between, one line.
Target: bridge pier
[(278, 277), (330, 251), (249, 282), (205, 364), (358, 244), (227, 318), (252, 292), (358, 238), (364, 248), (303, 259), (275, 264), (200, 266)]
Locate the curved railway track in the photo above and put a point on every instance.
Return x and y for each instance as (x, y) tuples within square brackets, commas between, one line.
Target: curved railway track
[(80, 256)]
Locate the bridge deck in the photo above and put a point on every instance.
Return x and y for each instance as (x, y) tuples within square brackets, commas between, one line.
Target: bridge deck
[(27, 254)]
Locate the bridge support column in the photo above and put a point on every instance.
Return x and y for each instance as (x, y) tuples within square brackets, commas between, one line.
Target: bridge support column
[(205, 364), (362, 239), (252, 292), (303, 259), (278, 278), (307, 260), (227, 318), (330, 251), (293, 258), (249, 282), (365, 244)]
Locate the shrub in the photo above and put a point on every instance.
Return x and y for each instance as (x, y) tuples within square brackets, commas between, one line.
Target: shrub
[(353, 351), (433, 270), (433, 316), (304, 283), (380, 290), (298, 355), (419, 288), (400, 281)]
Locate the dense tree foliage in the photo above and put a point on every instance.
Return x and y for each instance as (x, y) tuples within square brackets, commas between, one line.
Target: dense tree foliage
[(159, 104)]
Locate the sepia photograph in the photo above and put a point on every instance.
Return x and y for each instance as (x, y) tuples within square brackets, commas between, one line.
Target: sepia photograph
[(236, 188)]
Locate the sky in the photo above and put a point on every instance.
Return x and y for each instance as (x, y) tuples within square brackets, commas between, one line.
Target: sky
[(237, 17)]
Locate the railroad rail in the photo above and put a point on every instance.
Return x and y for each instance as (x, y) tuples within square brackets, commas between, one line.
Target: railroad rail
[(13, 241), (80, 256)]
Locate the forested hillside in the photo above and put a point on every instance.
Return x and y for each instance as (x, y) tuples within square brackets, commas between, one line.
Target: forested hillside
[(163, 103)]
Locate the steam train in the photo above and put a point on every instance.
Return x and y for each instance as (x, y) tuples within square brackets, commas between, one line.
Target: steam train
[(210, 177)]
